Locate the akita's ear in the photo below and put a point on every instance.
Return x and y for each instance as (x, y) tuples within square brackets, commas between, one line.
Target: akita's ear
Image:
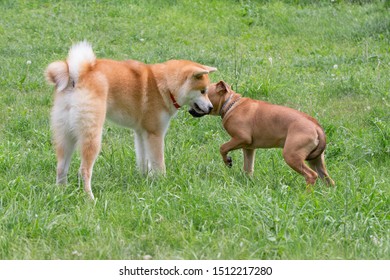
[(222, 88), (199, 72), (210, 69)]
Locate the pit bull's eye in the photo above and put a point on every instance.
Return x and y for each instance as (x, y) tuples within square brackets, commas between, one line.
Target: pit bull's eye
[(203, 91)]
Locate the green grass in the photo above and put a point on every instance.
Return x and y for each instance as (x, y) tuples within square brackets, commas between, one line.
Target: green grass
[(330, 59)]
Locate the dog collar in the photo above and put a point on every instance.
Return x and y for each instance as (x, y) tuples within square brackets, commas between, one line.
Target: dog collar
[(224, 104), (177, 106), (229, 107)]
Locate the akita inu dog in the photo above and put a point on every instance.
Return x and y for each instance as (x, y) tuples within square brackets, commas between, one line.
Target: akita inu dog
[(256, 124), (132, 94)]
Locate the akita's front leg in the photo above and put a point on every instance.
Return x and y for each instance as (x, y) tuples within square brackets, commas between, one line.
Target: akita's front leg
[(140, 152), (154, 153)]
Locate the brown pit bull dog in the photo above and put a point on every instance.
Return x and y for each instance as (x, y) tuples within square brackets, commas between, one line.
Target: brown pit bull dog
[(256, 124)]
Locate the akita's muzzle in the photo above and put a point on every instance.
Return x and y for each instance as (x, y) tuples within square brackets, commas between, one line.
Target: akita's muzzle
[(198, 111)]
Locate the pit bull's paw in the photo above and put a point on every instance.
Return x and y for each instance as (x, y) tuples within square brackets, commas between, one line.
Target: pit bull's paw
[(229, 162)]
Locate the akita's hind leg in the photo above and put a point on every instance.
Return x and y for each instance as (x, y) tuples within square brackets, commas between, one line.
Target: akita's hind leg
[(63, 140), (89, 127), (64, 150), (89, 148)]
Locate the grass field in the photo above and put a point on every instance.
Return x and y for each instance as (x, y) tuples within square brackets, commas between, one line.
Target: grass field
[(330, 59)]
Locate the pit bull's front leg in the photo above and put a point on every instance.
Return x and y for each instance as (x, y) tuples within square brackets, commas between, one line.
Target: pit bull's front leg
[(249, 160), (233, 144)]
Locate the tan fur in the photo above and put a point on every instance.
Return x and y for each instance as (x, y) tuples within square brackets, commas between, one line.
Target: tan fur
[(130, 93), (256, 124)]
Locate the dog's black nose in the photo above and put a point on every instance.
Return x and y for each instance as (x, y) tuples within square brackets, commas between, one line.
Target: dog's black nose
[(210, 108)]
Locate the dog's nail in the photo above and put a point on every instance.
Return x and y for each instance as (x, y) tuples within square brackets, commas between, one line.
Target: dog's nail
[(229, 162)]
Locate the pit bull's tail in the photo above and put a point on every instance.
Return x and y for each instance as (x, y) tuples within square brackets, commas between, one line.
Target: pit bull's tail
[(321, 145)]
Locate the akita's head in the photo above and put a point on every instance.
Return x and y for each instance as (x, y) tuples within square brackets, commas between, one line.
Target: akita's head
[(191, 83)]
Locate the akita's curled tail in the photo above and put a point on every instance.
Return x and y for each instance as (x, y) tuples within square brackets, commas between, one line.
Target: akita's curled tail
[(65, 73)]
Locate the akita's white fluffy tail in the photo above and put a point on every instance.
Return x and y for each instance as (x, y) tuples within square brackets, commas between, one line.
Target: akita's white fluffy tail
[(63, 73)]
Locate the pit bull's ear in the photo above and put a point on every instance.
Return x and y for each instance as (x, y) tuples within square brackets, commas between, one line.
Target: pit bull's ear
[(221, 88), (199, 72)]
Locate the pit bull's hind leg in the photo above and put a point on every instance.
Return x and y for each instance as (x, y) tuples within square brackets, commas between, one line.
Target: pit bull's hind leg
[(318, 164), (295, 151)]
